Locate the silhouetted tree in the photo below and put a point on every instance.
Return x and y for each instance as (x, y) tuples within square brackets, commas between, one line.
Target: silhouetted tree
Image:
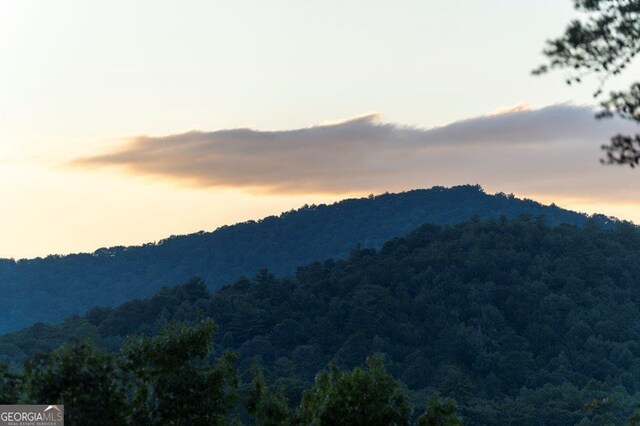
[(604, 44)]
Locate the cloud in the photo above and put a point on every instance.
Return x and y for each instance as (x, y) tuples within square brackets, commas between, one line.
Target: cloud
[(549, 150), (521, 107)]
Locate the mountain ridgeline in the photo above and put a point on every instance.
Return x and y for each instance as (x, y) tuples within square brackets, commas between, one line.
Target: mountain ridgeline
[(521, 322), (49, 289)]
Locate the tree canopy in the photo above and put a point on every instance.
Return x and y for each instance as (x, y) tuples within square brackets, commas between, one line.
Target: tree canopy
[(172, 379)]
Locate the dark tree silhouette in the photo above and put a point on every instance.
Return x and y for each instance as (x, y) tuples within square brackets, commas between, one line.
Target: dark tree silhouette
[(603, 44)]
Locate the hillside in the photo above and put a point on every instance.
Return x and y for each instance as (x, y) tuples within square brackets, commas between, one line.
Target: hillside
[(521, 322), (74, 283)]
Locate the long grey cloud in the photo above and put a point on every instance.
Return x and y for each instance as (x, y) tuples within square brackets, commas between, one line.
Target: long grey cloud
[(549, 150)]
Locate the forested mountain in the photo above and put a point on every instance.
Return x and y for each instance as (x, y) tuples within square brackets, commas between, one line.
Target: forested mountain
[(523, 323), (49, 289)]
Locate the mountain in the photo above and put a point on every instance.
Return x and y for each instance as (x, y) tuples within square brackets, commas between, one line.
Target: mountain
[(523, 323), (49, 289)]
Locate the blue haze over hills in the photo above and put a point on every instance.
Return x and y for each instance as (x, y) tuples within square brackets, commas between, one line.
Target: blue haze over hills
[(52, 288)]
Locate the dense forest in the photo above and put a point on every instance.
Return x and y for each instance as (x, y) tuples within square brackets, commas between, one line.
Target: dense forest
[(521, 322), (109, 276), (174, 379)]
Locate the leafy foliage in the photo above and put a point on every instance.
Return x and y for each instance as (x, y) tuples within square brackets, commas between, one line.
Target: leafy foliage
[(168, 380), (161, 380), (362, 397), (604, 44), (266, 407), (109, 276), (440, 413), (82, 378)]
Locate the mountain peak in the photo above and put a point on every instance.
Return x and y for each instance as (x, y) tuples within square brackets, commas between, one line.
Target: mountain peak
[(108, 276)]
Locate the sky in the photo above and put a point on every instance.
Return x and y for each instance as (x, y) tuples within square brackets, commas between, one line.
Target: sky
[(125, 122)]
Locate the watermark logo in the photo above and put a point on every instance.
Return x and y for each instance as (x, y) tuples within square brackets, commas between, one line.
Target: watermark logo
[(31, 415)]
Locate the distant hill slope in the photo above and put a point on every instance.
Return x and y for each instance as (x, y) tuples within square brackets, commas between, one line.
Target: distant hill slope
[(524, 324), (49, 289)]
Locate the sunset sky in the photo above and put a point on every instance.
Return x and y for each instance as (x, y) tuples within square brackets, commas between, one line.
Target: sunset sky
[(125, 122)]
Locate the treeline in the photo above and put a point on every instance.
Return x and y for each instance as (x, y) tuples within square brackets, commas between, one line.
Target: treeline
[(52, 288), (174, 379), (521, 322)]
